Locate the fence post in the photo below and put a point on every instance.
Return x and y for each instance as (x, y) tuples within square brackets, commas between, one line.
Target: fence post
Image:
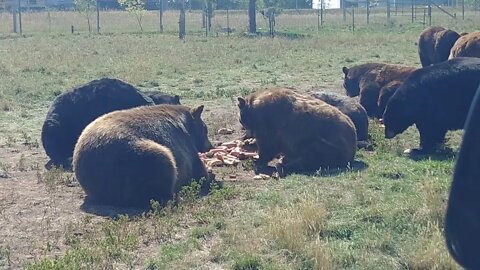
[(98, 16), (463, 9), (429, 12), (344, 10), (19, 17), (388, 9), (318, 19), (368, 11), (424, 12), (160, 10), (413, 9), (228, 23), (14, 17), (353, 19), (321, 12)]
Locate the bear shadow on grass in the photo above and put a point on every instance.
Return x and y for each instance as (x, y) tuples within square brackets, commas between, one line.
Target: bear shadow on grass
[(92, 207), (356, 166), (442, 154)]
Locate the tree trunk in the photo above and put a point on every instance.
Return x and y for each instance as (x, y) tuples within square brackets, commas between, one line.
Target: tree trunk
[(181, 23), (252, 18)]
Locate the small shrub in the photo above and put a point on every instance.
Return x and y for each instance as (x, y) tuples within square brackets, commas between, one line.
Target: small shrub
[(248, 262)]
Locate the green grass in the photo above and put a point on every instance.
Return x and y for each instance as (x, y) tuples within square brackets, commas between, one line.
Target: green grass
[(388, 215)]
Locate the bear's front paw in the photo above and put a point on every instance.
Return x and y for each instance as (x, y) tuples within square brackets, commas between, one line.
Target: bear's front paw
[(416, 152)]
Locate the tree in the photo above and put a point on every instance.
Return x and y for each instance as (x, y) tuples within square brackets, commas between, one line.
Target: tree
[(252, 16), (270, 11), (86, 8), (136, 8)]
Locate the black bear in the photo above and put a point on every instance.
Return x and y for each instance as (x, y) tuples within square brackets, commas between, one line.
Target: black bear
[(462, 222), (309, 133), (436, 99), (163, 98), (349, 107), (73, 110), (129, 157)]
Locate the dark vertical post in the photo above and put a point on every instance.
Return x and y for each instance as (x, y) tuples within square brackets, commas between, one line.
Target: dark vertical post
[(98, 17), (228, 22), (388, 9), (429, 12), (14, 17), (463, 9), (344, 10), (19, 17), (160, 10), (368, 11), (181, 23), (252, 17), (318, 19), (353, 19), (424, 13), (413, 10), (321, 12)]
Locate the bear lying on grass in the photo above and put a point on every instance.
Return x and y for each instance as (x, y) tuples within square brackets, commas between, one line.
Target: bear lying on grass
[(350, 108), (368, 80), (129, 157), (466, 46), (163, 98), (434, 45), (436, 99), (309, 133), (73, 110)]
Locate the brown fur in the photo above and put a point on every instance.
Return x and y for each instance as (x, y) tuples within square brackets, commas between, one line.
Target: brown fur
[(310, 133), (129, 157), (466, 46), (368, 80), (385, 94), (434, 44)]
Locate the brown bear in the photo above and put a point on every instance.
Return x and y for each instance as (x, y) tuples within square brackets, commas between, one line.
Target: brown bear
[(466, 46), (309, 133), (385, 94), (73, 110), (350, 108), (367, 80), (462, 221), (436, 99), (129, 157), (434, 44), (163, 98)]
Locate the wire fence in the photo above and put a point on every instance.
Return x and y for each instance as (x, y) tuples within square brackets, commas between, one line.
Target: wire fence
[(234, 21)]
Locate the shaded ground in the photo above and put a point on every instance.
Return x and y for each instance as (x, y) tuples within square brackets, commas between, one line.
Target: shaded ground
[(37, 207)]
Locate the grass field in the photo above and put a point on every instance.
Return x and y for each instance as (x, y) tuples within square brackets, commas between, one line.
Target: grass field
[(386, 214)]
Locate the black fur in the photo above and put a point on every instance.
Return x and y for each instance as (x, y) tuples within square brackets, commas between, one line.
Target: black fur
[(436, 99)]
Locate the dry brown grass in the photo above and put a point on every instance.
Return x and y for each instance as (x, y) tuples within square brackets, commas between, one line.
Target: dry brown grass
[(430, 252), (296, 228)]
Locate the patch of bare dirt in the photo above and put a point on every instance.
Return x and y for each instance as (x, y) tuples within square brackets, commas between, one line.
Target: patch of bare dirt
[(36, 215)]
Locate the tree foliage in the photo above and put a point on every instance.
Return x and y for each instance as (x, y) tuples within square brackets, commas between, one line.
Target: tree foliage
[(136, 8), (86, 7)]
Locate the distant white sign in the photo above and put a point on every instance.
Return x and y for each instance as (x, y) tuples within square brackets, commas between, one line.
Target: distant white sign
[(327, 4)]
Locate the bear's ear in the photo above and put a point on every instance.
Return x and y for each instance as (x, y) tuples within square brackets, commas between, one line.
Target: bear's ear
[(241, 103), (176, 99), (345, 70), (196, 112)]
